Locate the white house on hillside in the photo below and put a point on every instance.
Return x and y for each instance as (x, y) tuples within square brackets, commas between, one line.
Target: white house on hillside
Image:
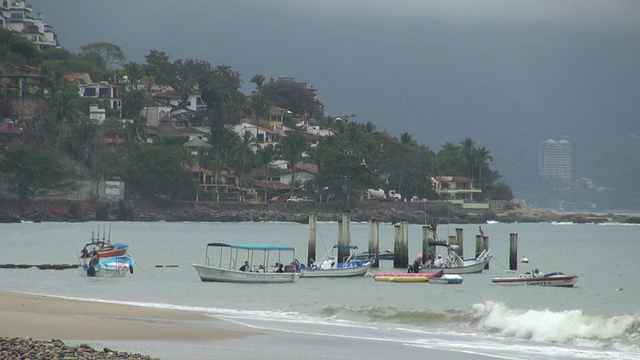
[(17, 15)]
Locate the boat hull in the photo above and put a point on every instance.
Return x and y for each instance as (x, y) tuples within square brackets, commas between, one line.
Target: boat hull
[(339, 272), (446, 279), (118, 266), (215, 274), (406, 277), (555, 280), (470, 267)]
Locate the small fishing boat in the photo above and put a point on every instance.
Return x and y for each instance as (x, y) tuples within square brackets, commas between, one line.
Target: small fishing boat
[(101, 258), (330, 267), (256, 257), (453, 264), (558, 279), (115, 266), (407, 277)]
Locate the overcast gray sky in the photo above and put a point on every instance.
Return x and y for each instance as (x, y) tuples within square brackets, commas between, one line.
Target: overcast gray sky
[(441, 70)]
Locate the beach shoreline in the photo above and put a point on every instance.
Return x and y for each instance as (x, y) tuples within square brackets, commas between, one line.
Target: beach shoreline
[(47, 317)]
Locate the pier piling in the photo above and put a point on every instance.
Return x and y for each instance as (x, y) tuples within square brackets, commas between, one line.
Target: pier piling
[(311, 250), (513, 251), (374, 241)]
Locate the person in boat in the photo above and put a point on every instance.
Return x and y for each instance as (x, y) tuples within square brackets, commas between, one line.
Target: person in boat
[(261, 269), (280, 268), (416, 267), (439, 262), (245, 267), (537, 273)]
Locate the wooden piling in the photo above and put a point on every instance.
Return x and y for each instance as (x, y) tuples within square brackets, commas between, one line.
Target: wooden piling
[(311, 249), (374, 241), (398, 248), (404, 224), (345, 238), (479, 244), (460, 243), (429, 234), (513, 251), (485, 246)]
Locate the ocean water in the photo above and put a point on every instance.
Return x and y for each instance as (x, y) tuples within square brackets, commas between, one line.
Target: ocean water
[(597, 319)]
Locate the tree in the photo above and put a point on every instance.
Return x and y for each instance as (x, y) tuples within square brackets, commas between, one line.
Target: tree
[(9, 38), (293, 96), (258, 80), (291, 148), (83, 139), (134, 72), (264, 157), (136, 130), (32, 172), (110, 54), (243, 151), (62, 106), (260, 106), (160, 170)]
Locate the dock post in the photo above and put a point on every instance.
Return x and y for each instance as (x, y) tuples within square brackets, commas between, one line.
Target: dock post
[(397, 246), (485, 246), (311, 249), (425, 245), (374, 241), (460, 243), (513, 251), (479, 241), (430, 235), (404, 225), (345, 237)]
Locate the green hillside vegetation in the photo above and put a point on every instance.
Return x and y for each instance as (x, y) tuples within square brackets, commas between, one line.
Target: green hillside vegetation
[(356, 158)]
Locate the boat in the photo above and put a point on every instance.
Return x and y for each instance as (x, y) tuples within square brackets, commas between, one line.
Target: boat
[(256, 257), (116, 266), (101, 258), (558, 279), (454, 264), (104, 248), (329, 266), (447, 279), (382, 255), (407, 277)]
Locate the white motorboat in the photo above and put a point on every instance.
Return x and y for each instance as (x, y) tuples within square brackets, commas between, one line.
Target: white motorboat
[(330, 267), (552, 279), (256, 257), (453, 264)]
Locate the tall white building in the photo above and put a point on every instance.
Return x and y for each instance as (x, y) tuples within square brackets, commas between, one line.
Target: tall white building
[(17, 15), (555, 160)]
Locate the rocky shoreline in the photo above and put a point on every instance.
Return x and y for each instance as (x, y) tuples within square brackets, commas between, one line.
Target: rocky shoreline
[(414, 213), (28, 348)]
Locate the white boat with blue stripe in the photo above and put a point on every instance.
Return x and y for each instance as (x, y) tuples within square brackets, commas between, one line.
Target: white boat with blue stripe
[(248, 263)]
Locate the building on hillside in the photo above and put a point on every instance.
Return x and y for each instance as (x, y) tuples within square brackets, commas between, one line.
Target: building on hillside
[(157, 114), (17, 15), (108, 95), (20, 80), (304, 172), (264, 136), (555, 160), (172, 99), (457, 190)]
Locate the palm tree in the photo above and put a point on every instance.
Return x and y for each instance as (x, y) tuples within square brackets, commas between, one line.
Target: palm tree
[(258, 80), (291, 148), (136, 130), (134, 72), (243, 150), (265, 156), (259, 105)]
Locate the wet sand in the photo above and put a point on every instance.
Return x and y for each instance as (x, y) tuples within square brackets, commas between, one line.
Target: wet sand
[(42, 317)]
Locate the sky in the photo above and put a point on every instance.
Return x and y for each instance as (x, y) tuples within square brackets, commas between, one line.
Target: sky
[(508, 74)]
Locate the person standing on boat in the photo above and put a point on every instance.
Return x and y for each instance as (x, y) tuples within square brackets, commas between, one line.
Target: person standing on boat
[(280, 268), (439, 262), (417, 264), (245, 267), (537, 273)]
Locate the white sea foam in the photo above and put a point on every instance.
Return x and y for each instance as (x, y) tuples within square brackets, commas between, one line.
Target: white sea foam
[(563, 327)]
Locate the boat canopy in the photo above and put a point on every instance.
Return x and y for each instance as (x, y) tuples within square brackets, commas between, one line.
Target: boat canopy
[(121, 245), (266, 247), (438, 243), (340, 246)]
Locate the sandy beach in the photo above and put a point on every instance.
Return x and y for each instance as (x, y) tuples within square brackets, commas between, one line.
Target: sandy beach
[(42, 317)]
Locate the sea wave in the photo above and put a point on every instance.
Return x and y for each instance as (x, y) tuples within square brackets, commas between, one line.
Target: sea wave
[(620, 332)]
